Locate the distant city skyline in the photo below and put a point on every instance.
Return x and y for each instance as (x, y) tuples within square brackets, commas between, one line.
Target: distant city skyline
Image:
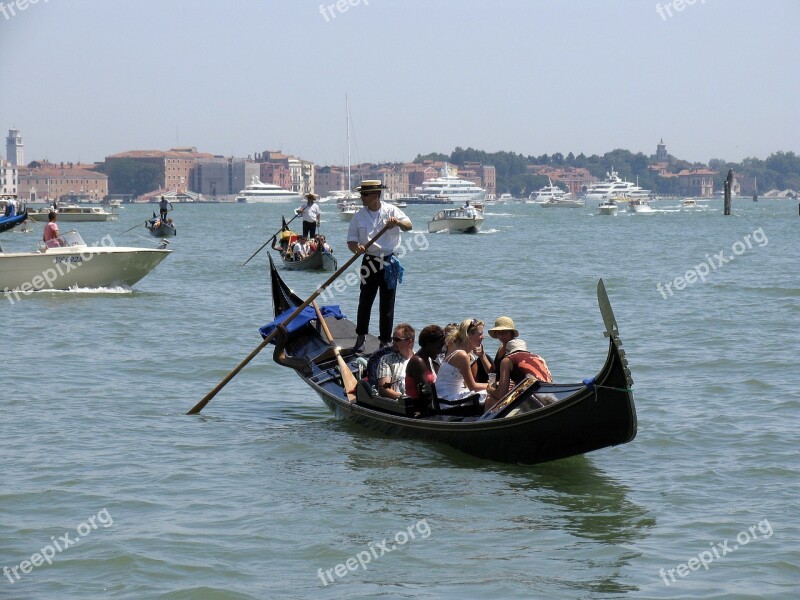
[(712, 78)]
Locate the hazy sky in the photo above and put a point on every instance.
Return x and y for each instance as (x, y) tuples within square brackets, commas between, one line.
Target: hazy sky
[(83, 79)]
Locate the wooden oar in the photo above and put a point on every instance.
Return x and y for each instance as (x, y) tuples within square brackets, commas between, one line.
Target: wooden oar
[(270, 238), (348, 379), (207, 398), (134, 227)]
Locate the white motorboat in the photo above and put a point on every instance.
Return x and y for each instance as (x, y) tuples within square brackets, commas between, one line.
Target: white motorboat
[(450, 186), (456, 220), (614, 186), (689, 203), (348, 211), (259, 193), (639, 206), (608, 207), (504, 198), (72, 213), (548, 192), (72, 264)]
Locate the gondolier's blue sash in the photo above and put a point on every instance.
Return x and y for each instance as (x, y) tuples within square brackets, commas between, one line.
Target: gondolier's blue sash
[(306, 315)]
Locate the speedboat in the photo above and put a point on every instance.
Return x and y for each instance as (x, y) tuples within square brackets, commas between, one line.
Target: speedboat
[(548, 192), (639, 205), (348, 211), (72, 213), (259, 193), (608, 207), (614, 186), (503, 198), (456, 220), (689, 203), (448, 185), (68, 262)]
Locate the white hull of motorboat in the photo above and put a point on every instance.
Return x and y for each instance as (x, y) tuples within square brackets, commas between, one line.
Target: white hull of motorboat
[(607, 208), (77, 266), (455, 221), (347, 213), (74, 214)]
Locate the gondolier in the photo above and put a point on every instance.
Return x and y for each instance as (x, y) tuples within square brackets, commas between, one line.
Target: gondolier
[(311, 216), (380, 270)]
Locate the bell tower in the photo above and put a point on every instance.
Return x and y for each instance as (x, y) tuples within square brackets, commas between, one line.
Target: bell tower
[(14, 148)]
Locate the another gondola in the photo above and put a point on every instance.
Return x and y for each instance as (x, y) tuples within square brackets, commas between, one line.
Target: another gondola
[(161, 228), (7, 223), (318, 260), (576, 418)]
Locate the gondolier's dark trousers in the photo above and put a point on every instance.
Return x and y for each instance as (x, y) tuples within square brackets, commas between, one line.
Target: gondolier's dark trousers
[(372, 280), (309, 229)]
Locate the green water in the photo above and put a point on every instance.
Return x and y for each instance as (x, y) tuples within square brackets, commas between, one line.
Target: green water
[(265, 490)]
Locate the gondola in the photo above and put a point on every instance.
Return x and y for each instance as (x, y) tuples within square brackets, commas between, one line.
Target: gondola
[(7, 223), (317, 261), (159, 228), (536, 423)]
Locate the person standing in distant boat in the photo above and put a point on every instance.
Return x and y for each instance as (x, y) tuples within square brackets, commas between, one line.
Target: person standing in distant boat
[(162, 206), (311, 216), (380, 269), (50, 234)]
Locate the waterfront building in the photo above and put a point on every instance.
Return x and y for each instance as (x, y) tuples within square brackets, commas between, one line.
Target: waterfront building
[(45, 182), (8, 178), (175, 165)]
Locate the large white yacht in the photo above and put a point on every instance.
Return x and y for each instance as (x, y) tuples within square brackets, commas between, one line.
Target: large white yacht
[(258, 192), (614, 186), (450, 186), (548, 192)]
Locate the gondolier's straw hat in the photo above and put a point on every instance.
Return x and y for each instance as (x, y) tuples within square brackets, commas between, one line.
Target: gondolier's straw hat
[(503, 324), (370, 185), (311, 196), (516, 345)]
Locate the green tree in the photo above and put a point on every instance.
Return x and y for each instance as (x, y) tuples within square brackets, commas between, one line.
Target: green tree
[(128, 176)]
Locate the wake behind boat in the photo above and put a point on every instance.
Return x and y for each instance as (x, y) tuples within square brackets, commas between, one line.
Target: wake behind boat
[(576, 417), (74, 264)]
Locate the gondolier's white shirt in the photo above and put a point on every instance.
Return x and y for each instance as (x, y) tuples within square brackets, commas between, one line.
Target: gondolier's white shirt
[(311, 213), (366, 224)]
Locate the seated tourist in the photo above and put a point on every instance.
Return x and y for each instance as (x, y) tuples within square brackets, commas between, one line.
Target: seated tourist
[(392, 368), (504, 331), (455, 380), (300, 248), (517, 365), (421, 369)]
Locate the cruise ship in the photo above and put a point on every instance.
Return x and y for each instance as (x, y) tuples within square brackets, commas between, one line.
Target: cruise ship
[(614, 186), (548, 192), (258, 192), (450, 186)]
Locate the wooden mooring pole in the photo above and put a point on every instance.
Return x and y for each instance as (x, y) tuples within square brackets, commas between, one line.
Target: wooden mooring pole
[(728, 185)]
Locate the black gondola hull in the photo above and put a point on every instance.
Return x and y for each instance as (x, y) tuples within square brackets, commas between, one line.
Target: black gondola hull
[(586, 417)]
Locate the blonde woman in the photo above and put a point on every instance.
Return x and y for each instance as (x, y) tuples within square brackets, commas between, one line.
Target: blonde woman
[(455, 379)]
